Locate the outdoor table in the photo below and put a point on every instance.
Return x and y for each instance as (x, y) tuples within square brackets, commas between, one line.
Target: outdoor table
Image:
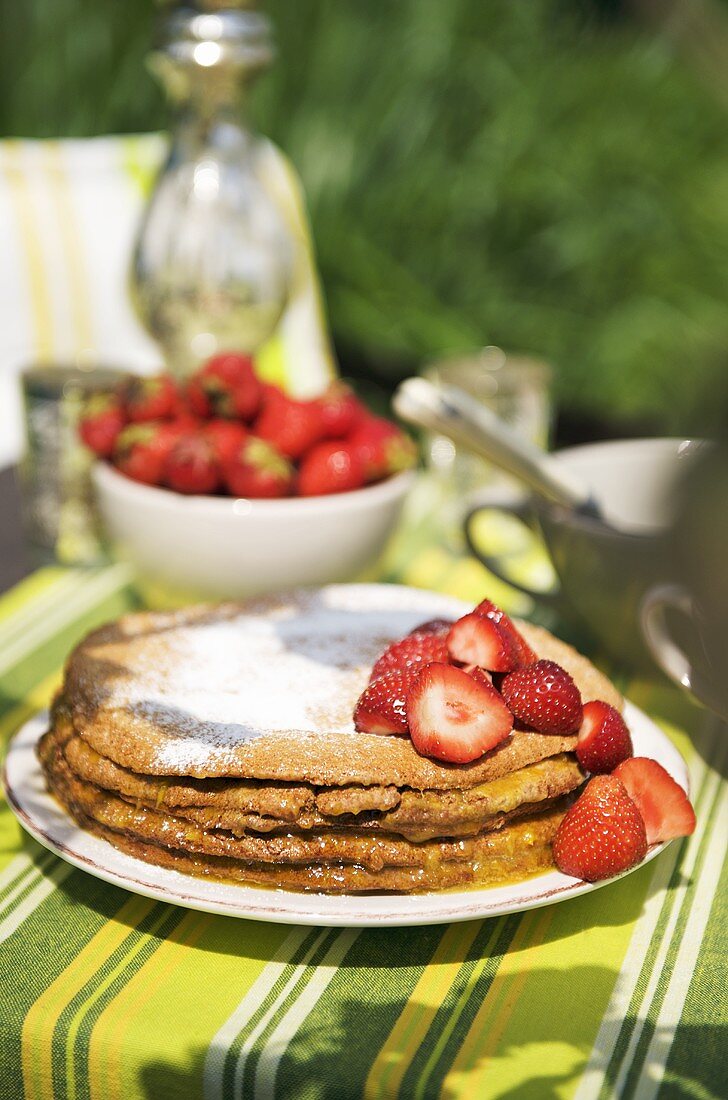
[(107, 995)]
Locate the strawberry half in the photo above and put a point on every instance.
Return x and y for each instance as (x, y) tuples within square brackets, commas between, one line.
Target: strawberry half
[(602, 834), (452, 717), (663, 804), (604, 740), (411, 653), (382, 706), (478, 640), (488, 610), (544, 697)]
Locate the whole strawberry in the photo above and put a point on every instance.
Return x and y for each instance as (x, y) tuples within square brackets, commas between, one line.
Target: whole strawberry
[(382, 706), (225, 437), (258, 470), (191, 466), (330, 468), (340, 411), (291, 426), (102, 420), (154, 398), (604, 740), (226, 386), (602, 834), (544, 697), (384, 448), (141, 450), (411, 653)]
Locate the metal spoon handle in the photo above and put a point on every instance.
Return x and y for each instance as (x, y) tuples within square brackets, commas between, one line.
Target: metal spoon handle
[(453, 413)]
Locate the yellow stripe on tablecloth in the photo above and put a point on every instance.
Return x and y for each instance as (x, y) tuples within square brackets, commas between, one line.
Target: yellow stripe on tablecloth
[(106, 1047), (71, 244), (40, 299), (19, 600), (40, 1022), (403, 1042), (499, 1002)]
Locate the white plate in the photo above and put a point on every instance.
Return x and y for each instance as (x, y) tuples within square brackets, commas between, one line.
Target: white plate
[(45, 820)]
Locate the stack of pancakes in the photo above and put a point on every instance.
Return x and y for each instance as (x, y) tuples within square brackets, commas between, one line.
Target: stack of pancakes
[(220, 742)]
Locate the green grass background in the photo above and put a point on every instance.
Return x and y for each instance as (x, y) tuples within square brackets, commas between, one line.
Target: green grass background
[(549, 175)]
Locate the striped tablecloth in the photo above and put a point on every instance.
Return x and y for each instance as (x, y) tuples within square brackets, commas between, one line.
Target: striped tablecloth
[(110, 996)]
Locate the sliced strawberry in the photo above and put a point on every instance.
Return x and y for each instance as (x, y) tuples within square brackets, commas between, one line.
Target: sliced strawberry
[(381, 708), (544, 696), (604, 740), (452, 717), (332, 467), (433, 626), (488, 610), (477, 640), (478, 674), (602, 834), (663, 804), (411, 653)]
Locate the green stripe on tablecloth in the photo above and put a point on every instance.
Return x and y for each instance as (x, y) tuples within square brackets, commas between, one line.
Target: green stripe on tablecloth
[(705, 794), (650, 1012), (696, 1064)]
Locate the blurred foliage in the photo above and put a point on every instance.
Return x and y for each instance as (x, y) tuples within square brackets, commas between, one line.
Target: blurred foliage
[(550, 176)]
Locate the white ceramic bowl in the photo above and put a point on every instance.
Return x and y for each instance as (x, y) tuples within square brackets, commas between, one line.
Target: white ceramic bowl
[(196, 547)]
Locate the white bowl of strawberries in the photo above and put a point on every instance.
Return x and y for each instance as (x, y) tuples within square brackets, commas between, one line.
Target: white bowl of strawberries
[(226, 487)]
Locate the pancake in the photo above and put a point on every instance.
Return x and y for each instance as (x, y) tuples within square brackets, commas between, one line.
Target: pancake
[(267, 691), (242, 807), (220, 741), (330, 861)]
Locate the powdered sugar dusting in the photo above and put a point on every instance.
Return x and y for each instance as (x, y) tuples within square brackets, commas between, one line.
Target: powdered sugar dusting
[(295, 665)]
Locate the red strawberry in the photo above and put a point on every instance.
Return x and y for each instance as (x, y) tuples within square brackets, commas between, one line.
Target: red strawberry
[(330, 468), (154, 398), (384, 448), (141, 450), (381, 708), (478, 674), (340, 411), (411, 653), (488, 610), (102, 420), (544, 696), (604, 739), (291, 426), (225, 437), (478, 640), (663, 804), (225, 386), (258, 470), (602, 834), (453, 717), (433, 626), (191, 466)]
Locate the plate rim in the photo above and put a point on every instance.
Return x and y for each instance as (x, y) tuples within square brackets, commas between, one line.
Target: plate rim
[(286, 906)]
